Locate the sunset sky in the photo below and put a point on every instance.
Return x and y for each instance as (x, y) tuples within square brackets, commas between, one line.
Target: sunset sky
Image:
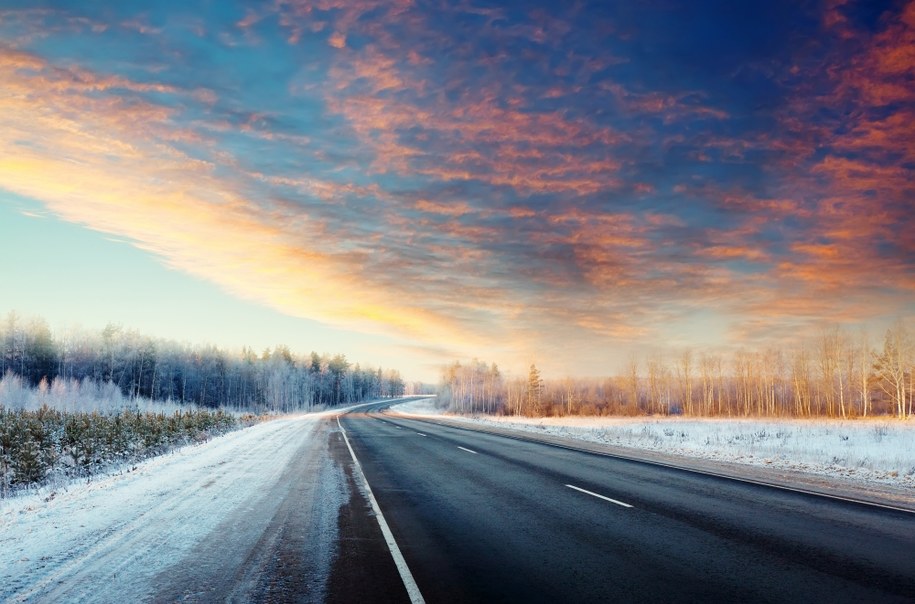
[(411, 183)]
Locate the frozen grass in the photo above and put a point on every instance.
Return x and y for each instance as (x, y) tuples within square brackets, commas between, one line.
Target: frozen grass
[(874, 450)]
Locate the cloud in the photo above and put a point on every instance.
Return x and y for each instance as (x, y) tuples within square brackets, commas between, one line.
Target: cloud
[(474, 180), (175, 206), (337, 40)]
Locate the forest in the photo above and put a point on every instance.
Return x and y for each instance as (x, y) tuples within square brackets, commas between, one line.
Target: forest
[(79, 403), (837, 375), (142, 367)]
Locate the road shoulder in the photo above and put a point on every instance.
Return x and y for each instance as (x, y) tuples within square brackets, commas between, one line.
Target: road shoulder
[(363, 569)]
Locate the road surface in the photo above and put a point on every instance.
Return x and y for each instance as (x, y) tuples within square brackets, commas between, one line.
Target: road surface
[(482, 518)]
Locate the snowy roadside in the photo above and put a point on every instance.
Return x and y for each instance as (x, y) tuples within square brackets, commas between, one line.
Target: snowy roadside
[(870, 452), (136, 524)]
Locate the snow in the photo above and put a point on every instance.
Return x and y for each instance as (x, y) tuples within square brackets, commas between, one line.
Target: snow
[(872, 451), (118, 532)]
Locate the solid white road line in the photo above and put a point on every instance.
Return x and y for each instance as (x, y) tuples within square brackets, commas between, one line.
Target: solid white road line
[(625, 505), (468, 450), (405, 575), (420, 433)]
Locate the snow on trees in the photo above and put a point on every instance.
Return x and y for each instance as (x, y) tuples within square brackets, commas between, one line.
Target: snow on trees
[(140, 367)]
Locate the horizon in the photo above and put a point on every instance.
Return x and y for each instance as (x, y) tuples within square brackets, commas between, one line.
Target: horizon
[(413, 185)]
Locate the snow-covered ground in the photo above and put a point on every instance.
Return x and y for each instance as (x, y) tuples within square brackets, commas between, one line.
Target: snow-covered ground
[(875, 451), (207, 504)]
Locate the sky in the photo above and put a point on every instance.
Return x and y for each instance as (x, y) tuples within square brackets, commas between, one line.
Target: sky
[(412, 183)]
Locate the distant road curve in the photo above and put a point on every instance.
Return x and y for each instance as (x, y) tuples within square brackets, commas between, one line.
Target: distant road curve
[(481, 518)]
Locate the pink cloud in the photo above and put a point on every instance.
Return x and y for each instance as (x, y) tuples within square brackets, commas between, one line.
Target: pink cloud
[(337, 40)]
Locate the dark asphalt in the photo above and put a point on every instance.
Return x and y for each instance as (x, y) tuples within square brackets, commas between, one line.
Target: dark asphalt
[(500, 525)]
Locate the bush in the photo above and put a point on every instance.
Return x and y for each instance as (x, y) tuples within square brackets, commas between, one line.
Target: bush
[(38, 445)]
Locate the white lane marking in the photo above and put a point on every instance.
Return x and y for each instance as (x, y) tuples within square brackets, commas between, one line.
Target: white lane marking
[(625, 505), (416, 597), (420, 433), (468, 450)]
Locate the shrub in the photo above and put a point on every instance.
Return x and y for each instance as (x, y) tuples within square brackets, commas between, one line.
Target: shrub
[(37, 445)]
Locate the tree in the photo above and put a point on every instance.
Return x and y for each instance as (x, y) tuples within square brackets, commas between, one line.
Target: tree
[(632, 382), (891, 364), (534, 389), (338, 368), (685, 376), (40, 354), (864, 354)]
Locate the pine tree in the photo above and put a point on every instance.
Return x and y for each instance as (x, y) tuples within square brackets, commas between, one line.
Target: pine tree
[(534, 390)]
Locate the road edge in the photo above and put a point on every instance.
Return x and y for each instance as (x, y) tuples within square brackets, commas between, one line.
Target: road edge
[(406, 576)]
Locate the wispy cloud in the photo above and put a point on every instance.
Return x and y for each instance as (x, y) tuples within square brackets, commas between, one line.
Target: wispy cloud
[(116, 178)]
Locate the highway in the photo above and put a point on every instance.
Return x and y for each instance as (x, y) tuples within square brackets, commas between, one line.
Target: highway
[(483, 518)]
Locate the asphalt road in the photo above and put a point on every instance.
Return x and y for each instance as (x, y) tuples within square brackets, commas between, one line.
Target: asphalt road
[(483, 518)]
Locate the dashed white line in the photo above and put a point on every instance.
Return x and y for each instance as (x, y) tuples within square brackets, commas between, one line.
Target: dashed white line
[(421, 434), (468, 450), (416, 597), (625, 505)]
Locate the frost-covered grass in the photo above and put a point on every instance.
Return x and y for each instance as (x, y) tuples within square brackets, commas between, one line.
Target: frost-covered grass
[(874, 450)]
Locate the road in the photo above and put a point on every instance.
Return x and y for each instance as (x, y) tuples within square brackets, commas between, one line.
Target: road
[(482, 518)]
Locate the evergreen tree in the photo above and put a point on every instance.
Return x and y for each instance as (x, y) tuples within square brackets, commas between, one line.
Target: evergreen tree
[(534, 389)]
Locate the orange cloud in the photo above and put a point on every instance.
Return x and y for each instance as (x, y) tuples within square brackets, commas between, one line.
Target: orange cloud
[(444, 209), (114, 171), (727, 252), (337, 40)]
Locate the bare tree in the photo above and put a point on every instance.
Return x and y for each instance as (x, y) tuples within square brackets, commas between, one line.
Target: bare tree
[(891, 364), (632, 381), (685, 377)]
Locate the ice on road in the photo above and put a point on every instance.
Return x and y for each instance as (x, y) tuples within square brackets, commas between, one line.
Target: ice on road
[(248, 516)]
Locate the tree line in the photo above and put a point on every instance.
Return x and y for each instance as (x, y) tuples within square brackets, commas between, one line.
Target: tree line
[(837, 375), (142, 367)]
